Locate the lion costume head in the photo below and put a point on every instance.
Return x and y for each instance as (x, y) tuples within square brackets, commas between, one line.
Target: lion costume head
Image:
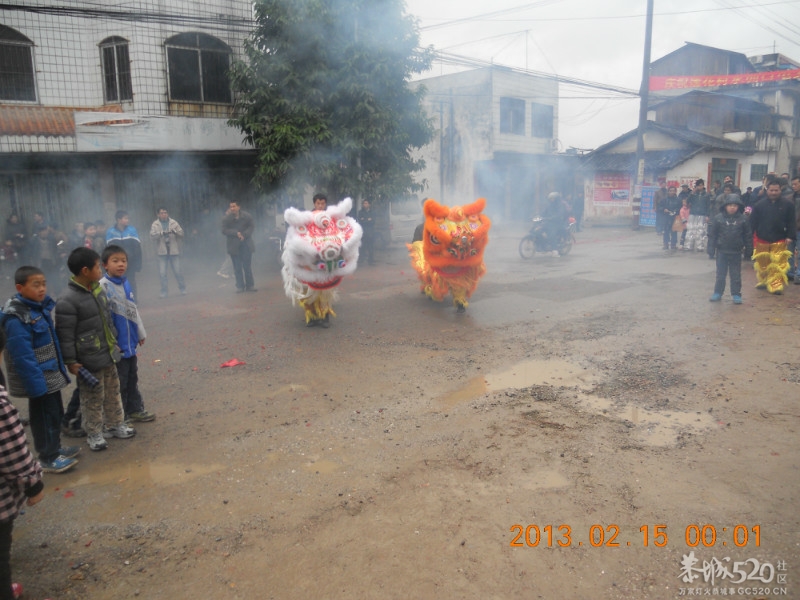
[(321, 246), (455, 238)]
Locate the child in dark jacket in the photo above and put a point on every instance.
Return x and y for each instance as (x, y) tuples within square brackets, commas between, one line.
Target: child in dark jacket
[(729, 236), (20, 481), (35, 367), (88, 340)]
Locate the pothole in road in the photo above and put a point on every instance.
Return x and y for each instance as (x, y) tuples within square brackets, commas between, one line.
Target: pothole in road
[(650, 427)]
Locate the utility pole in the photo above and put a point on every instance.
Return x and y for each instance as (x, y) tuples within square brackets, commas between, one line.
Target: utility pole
[(643, 100)]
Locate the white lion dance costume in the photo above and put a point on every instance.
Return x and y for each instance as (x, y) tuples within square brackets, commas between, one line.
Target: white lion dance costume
[(321, 248), (450, 256)]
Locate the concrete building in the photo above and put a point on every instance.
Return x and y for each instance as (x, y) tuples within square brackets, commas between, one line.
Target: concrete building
[(120, 105), (496, 137)]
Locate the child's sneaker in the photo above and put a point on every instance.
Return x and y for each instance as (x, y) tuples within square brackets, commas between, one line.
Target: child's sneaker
[(96, 442), (73, 432), (737, 299), (141, 417), (69, 451), (122, 431), (715, 297), (58, 465)]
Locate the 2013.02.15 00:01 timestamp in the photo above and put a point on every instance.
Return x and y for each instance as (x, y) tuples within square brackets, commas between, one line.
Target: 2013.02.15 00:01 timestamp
[(608, 536)]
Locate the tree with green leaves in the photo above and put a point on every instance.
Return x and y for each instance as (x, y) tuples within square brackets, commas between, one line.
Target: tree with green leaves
[(325, 99)]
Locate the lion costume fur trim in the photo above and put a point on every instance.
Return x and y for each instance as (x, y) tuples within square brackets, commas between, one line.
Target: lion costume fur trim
[(771, 263), (321, 247)]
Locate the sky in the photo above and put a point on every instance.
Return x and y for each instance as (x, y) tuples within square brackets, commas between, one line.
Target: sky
[(599, 41)]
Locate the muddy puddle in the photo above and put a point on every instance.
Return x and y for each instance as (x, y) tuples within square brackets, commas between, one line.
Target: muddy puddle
[(651, 427)]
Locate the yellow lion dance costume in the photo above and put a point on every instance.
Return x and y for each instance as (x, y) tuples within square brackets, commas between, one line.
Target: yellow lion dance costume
[(450, 256), (771, 262)]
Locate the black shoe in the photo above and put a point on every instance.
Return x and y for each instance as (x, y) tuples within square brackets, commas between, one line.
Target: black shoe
[(325, 323), (312, 323), (239, 290), (461, 309), (251, 290)]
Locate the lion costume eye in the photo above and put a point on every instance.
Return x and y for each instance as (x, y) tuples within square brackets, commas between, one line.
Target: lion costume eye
[(301, 229), (434, 239), (342, 224), (342, 264)]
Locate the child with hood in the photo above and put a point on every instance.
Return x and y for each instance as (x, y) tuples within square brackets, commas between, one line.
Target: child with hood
[(729, 236)]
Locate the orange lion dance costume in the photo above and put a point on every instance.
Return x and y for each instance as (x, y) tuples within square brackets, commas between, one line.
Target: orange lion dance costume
[(450, 256)]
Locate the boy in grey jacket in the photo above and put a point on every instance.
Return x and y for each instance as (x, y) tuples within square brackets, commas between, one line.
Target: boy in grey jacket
[(88, 340)]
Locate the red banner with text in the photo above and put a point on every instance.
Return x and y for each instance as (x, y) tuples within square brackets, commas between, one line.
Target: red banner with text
[(675, 82)]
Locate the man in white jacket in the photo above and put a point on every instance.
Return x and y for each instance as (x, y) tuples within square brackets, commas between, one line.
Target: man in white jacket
[(168, 236)]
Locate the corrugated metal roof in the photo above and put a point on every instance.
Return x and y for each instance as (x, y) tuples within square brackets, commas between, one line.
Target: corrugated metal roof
[(603, 158), (48, 121)]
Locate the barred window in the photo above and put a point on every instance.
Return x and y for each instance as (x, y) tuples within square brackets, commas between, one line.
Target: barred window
[(758, 172), (197, 67), (17, 81), (512, 116), (116, 69)]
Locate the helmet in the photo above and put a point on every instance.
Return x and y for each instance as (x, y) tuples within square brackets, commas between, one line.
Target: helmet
[(553, 196)]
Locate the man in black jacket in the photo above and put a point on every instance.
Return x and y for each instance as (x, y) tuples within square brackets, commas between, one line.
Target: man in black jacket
[(238, 227), (774, 228)]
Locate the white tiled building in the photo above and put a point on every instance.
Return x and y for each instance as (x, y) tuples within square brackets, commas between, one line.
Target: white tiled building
[(120, 105)]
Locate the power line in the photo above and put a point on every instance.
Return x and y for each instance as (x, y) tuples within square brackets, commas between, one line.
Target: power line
[(488, 16), (457, 60)]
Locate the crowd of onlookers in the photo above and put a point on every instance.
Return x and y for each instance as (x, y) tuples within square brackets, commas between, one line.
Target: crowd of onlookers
[(766, 221)]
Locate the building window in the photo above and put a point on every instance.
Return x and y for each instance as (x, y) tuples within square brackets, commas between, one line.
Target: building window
[(197, 67), (116, 69), (512, 116), (16, 66), (541, 120), (758, 172)]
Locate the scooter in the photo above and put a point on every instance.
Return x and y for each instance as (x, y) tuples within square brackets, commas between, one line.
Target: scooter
[(537, 240)]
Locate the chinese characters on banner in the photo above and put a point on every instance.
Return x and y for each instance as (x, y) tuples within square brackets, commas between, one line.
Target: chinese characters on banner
[(647, 212), (658, 84)]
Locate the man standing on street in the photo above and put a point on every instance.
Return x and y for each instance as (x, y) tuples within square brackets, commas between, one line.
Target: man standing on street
[(168, 235), (238, 226), (367, 221), (774, 228)]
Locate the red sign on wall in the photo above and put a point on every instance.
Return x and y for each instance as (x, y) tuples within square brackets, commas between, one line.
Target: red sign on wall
[(612, 189)]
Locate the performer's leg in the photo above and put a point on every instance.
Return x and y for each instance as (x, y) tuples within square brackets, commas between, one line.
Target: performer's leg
[(778, 267), (761, 263)]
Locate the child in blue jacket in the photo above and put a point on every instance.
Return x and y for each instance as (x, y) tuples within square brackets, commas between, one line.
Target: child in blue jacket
[(35, 367), (130, 331)]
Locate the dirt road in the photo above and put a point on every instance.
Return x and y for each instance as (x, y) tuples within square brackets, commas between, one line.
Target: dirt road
[(564, 439)]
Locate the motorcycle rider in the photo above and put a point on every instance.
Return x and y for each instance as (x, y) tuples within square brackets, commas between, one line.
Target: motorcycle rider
[(554, 216)]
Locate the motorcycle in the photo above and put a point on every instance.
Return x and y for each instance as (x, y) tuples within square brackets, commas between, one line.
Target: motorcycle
[(537, 241)]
